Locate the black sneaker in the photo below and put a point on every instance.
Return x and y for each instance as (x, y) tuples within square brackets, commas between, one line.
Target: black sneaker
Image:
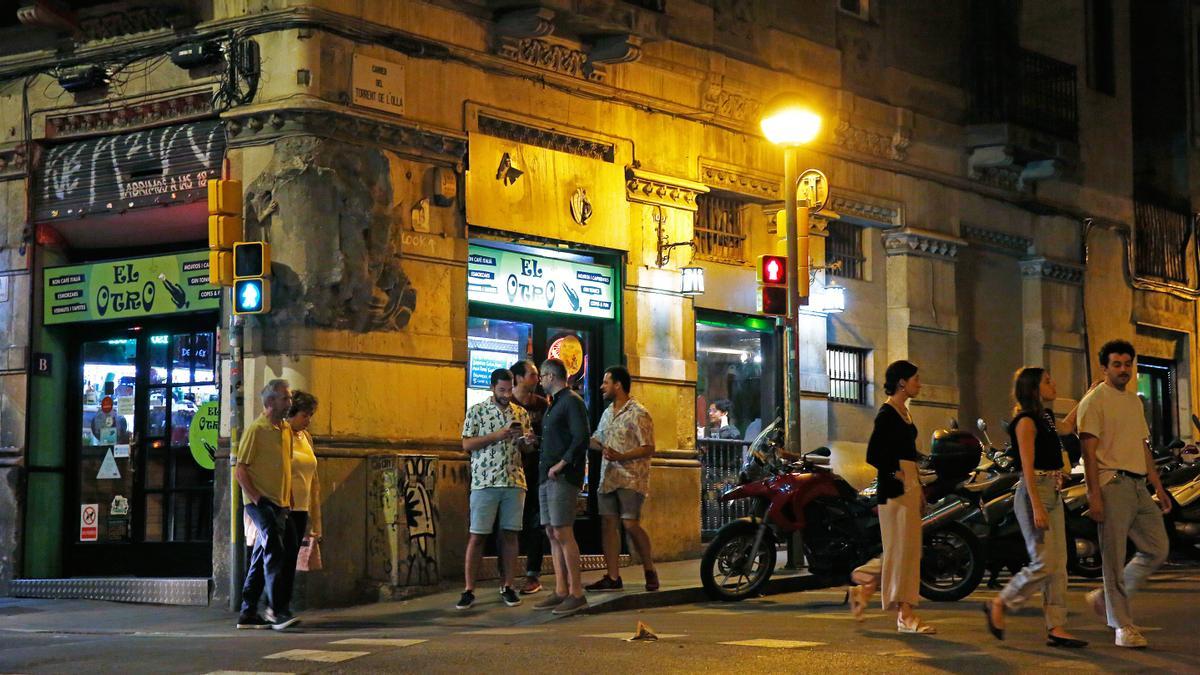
[(284, 620), (252, 622), (509, 596), (605, 585), (466, 601)]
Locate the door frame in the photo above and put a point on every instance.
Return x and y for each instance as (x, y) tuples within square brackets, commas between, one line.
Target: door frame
[(136, 557)]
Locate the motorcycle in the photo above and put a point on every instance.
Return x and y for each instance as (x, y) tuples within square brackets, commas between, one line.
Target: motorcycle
[(1182, 482), (840, 528)]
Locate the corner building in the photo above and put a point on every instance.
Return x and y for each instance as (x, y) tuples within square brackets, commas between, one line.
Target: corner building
[(449, 186)]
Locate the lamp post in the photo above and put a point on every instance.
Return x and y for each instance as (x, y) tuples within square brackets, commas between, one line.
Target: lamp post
[(789, 122)]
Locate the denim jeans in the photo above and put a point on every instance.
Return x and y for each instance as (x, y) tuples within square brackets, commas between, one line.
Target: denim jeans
[(1047, 568), (268, 558)]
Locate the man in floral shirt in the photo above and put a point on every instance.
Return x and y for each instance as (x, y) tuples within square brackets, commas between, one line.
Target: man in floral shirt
[(495, 432), (625, 436)]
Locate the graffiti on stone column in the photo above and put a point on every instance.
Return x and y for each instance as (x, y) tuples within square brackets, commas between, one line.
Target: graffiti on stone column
[(420, 566), (327, 208)]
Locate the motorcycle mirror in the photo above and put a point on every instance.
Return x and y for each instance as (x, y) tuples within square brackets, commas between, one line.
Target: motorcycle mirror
[(980, 424), (820, 452), (953, 423)]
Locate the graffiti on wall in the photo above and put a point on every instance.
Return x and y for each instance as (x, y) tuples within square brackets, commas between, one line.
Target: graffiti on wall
[(402, 528), (111, 174)]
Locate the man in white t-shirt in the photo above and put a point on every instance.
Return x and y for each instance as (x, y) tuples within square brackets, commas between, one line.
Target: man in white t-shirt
[(1117, 463)]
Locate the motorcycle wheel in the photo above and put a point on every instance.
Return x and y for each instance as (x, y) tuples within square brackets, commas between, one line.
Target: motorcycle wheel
[(726, 570), (951, 563), (1083, 557)]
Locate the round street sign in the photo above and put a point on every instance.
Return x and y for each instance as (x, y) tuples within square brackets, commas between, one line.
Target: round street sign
[(202, 435), (813, 188)]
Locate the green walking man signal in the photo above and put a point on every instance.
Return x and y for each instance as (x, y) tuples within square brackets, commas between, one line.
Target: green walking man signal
[(251, 287)]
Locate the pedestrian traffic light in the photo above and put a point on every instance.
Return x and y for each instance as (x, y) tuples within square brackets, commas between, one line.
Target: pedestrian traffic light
[(251, 288), (772, 285), (772, 270), (224, 228), (252, 296)]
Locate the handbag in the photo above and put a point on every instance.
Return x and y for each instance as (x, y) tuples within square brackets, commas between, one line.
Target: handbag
[(309, 557)]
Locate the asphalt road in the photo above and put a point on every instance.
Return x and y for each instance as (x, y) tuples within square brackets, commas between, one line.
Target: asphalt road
[(809, 632)]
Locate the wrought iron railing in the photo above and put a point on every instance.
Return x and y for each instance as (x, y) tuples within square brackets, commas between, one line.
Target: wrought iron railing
[(719, 234), (844, 245), (721, 461), (1025, 88), (847, 374), (1161, 239)]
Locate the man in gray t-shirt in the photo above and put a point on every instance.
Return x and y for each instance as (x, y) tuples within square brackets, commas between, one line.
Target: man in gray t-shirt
[(1117, 462)]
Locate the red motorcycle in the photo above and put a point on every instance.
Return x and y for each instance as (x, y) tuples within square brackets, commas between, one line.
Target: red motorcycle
[(841, 528)]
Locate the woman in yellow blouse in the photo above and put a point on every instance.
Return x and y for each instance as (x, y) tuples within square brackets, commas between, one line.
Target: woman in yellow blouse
[(306, 495)]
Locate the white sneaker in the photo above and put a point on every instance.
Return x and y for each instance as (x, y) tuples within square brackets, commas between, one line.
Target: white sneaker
[(1129, 636)]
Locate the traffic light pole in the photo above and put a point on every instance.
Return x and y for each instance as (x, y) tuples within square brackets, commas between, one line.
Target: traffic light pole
[(237, 535), (797, 251)]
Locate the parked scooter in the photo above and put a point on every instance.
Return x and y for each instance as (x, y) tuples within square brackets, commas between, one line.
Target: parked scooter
[(1182, 483), (840, 528)]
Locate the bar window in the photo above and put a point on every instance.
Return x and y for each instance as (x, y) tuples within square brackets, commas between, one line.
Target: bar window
[(847, 374), (844, 250)]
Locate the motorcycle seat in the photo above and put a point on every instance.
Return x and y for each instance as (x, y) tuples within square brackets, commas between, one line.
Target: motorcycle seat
[(989, 489)]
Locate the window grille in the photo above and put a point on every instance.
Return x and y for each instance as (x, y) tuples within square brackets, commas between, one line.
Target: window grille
[(844, 245), (847, 374), (1161, 241), (719, 232)]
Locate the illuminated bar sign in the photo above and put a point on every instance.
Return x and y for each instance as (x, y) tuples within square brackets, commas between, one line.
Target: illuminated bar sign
[(131, 288), (526, 281)]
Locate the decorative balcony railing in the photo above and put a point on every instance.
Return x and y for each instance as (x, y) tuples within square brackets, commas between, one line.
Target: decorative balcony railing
[(1025, 88), (1161, 238)]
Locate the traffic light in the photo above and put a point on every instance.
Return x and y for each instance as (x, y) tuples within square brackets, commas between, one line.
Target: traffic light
[(772, 284), (224, 228), (251, 288)]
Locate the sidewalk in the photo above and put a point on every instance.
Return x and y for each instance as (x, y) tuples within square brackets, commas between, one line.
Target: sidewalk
[(680, 585)]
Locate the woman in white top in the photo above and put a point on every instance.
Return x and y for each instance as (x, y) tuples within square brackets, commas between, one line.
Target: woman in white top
[(305, 516)]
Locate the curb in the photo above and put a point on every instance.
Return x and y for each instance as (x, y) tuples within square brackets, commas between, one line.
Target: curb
[(683, 596)]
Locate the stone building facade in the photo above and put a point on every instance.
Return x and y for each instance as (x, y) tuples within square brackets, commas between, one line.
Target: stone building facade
[(401, 157)]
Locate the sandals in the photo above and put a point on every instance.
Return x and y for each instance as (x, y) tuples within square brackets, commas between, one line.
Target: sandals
[(918, 628), (858, 603)]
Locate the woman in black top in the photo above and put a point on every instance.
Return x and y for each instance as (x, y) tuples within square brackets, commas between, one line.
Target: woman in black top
[(892, 450), (1039, 509)]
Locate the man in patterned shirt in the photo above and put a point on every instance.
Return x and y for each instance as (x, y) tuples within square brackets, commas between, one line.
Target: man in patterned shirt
[(495, 432), (625, 437)]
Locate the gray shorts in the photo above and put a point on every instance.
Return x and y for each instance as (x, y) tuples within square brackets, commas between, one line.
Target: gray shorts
[(623, 502), (509, 502), (557, 501)]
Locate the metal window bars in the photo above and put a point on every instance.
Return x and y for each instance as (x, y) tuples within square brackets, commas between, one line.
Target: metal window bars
[(719, 233), (847, 374)]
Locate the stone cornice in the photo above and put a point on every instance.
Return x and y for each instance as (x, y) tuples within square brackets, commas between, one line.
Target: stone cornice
[(866, 207), (717, 98), (1053, 270), (886, 140), (653, 188), (264, 124), (763, 187), (994, 240), (924, 243), (553, 56), (120, 117)]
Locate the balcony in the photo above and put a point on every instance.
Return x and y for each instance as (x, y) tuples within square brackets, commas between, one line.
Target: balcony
[(1023, 121)]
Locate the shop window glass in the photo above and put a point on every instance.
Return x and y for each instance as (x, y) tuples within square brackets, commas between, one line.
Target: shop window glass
[(730, 374), (492, 344)]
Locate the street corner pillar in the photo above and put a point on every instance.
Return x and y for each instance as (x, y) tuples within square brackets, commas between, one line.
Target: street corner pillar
[(922, 316), (660, 343)]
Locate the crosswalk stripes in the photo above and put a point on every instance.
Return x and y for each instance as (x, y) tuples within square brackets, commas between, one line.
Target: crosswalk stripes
[(378, 642), (318, 655), (774, 644), (247, 672), (714, 611), (831, 616)]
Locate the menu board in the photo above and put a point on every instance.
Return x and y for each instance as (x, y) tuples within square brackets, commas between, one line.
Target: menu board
[(130, 288), (528, 281)]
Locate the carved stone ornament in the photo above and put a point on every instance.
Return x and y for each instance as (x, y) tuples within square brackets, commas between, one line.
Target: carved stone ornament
[(257, 127), (1000, 242), (551, 56), (924, 243), (717, 99), (127, 118), (1053, 270), (546, 138), (886, 142), (659, 190), (865, 207), (581, 206), (762, 186)]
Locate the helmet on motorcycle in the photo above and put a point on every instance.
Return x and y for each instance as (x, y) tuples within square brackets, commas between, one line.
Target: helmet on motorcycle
[(954, 453)]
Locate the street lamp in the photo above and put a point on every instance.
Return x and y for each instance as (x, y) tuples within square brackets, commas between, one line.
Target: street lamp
[(789, 122)]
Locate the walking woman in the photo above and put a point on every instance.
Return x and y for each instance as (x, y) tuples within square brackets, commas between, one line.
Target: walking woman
[(1039, 509), (892, 450), (305, 516)]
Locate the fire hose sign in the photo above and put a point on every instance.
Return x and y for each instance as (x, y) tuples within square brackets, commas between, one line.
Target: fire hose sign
[(88, 514)]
